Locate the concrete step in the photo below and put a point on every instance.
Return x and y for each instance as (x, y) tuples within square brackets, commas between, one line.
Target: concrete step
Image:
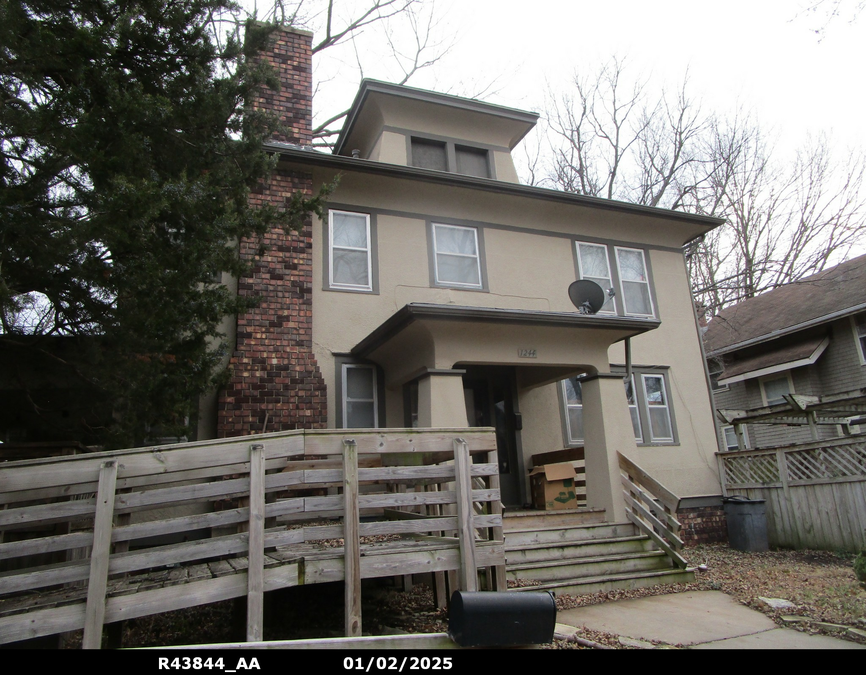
[(527, 520), (558, 551), (610, 582), (518, 538), (599, 565)]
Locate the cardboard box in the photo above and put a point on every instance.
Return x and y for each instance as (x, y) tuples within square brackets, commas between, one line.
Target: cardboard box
[(553, 487)]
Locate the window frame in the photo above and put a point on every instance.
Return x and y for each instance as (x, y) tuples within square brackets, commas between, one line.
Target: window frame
[(713, 374), (451, 145), (641, 407), (479, 254), (648, 281), (736, 446), (581, 275), (775, 376), (667, 406), (370, 287), (569, 439), (344, 394), (859, 338)]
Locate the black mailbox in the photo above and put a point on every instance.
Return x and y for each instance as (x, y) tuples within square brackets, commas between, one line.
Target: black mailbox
[(490, 619)]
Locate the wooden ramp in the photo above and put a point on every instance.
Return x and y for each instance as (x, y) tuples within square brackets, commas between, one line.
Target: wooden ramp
[(94, 539)]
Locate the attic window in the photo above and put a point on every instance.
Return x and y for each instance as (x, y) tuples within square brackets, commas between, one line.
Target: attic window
[(472, 161), (428, 154)]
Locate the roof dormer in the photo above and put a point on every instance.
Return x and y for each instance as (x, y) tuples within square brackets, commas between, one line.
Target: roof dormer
[(412, 127)]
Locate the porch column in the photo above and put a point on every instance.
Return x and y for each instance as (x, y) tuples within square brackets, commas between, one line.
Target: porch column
[(441, 402), (607, 429)]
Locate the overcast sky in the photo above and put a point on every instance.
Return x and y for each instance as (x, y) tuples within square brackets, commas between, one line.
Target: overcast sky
[(761, 54)]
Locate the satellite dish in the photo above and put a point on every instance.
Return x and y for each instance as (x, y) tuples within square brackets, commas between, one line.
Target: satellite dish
[(587, 296)]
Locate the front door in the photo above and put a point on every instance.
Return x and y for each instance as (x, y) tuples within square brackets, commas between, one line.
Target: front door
[(490, 402)]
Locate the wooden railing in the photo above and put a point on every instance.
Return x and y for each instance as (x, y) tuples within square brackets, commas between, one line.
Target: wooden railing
[(650, 506), (104, 537)]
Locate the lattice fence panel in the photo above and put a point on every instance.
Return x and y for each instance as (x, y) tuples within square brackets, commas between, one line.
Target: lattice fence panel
[(751, 470), (839, 461)]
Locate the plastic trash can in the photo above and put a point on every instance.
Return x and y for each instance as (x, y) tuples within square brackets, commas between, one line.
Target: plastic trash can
[(747, 523)]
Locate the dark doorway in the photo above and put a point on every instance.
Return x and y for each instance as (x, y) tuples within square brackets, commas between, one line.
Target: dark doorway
[(491, 395)]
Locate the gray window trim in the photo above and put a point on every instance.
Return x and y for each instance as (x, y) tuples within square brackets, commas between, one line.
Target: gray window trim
[(451, 145), (340, 389), (372, 255), (613, 267), (668, 405), (859, 340), (569, 442), (649, 281), (729, 448), (580, 275), (431, 257)]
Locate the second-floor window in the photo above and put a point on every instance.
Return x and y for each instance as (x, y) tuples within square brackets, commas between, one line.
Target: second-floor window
[(859, 324), (456, 256), (350, 259), (594, 265), (634, 281)]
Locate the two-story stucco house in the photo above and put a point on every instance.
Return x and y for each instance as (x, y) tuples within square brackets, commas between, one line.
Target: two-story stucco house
[(805, 338), (433, 293)]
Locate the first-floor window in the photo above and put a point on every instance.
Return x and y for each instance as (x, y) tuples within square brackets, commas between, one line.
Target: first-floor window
[(657, 407), (731, 438), (774, 388), (573, 398), (648, 406), (632, 409), (360, 398), (859, 322)]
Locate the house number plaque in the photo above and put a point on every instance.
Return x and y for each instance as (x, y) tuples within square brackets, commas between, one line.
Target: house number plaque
[(527, 353)]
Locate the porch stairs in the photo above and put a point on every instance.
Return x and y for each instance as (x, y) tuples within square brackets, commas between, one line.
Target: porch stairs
[(575, 552)]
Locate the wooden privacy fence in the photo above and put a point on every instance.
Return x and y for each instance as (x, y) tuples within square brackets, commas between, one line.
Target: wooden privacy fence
[(650, 506), (815, 493), (100, 538)]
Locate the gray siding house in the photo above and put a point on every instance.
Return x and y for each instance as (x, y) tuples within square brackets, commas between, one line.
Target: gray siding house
[(807, 337)]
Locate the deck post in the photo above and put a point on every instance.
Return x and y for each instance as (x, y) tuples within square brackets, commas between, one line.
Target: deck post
[(94, 614), (256, 554), (466, 533), (351, 541)]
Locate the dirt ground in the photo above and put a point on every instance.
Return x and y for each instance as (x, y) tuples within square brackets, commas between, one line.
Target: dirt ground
[(821, 584)]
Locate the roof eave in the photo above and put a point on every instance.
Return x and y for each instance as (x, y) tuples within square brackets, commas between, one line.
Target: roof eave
[(340, 162)]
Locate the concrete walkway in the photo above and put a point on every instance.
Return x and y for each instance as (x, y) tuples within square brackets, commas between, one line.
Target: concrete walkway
[(697, 620)]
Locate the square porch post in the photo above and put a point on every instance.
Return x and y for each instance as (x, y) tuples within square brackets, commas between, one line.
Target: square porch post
[(607, 429)]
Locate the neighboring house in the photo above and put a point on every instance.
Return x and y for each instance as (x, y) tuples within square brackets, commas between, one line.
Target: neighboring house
[(807, 337), (434, 294)]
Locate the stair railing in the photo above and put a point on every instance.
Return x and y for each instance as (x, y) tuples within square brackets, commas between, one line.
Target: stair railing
[(650, 506)]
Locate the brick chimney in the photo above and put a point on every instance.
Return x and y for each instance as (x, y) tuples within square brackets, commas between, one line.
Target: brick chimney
[(276, 384)]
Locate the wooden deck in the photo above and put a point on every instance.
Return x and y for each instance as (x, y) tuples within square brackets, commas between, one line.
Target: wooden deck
[(100, 538)]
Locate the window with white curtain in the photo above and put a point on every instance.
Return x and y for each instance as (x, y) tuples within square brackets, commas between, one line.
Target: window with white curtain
[(349, 256), (456, 254), (657, 408), (634, 282), (593, 265)]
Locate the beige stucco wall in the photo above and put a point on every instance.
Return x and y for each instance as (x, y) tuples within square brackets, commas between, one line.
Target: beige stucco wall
[(528, 268)]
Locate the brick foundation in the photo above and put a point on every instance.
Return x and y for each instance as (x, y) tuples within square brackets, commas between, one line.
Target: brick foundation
[(275, 375), (703, 525)]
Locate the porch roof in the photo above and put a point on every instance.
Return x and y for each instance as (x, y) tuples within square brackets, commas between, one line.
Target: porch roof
[(624, 327)]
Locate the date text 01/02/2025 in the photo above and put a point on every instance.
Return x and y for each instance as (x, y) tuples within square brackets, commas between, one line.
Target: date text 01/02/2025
[(394, 663)]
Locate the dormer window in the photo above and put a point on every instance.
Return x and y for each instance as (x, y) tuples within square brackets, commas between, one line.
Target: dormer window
[(445, 155), (427, 154), (472, 161)]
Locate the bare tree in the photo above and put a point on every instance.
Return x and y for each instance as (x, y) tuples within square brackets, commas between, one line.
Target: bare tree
[(618, 141), (613, 137)]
